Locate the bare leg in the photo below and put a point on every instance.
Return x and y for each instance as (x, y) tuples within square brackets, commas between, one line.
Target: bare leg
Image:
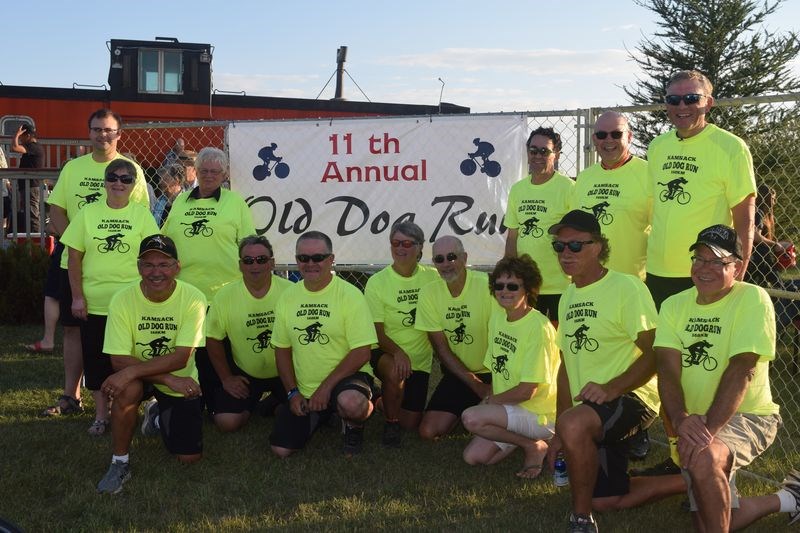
[(101, 404), (579, 429), (434, 424), (227, 422), (642, 490), (752, 509), (124, 415), (73, 361), (710, 487)]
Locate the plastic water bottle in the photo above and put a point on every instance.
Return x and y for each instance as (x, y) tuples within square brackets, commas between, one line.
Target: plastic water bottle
[(560, 477)]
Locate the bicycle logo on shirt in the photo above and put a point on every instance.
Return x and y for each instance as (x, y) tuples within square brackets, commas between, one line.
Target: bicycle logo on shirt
[(499, 365), (582, 340), (529, 227), (697, 354), (88, 199), (111, 243), (156, 347), (262, 340), (460, 335), (410, 318), (599, 211), (198, 227), (311, 334), (674, 191)]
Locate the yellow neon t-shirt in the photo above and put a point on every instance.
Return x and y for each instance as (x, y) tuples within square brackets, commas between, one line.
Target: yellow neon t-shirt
[(109, 239), (248, 323), (322, 328), (696, 182), (464, 320), (525, 351), (708, 336), (207, 232), (392, 301), (143, 329), (597, 328), (531, 210), (621, 200)]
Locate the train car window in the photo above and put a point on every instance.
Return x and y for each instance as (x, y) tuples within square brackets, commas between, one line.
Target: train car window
[(9, 124), (160, 71)]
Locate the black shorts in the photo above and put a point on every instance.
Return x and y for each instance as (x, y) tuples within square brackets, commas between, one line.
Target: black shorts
[(225, 403), (547, 304), (52, 282), (662, 288), (293, 432), (415, 387), (96, 364), (453, 395), (65, 300), (621, 419), (181, 423)]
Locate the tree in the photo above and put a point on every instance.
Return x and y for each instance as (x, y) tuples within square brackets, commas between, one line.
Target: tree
[(728, 41)]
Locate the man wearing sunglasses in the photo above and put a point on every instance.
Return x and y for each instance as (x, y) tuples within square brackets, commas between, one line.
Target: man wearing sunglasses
[(606, 384), (700, 175), (534, 204), (713, 347), (243, 312), (454, 311), (322, 337), (82, 181), (617, 192)]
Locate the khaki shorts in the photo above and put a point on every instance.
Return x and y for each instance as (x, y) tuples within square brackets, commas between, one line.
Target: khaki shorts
[(746, 437), (525, 423)]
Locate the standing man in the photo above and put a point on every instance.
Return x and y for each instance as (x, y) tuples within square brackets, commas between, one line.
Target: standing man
[(322, 338), (455, 310), (713, 347), (81, 182), (700, 175), (534, 204), (187, 159), (153, 329), (617, 192), (24, 142), (606, 386), (243, 311)]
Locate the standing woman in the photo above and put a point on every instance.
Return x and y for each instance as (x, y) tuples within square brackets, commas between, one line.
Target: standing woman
[(524, 359), (402, 360), (102, 243), (207, 224)]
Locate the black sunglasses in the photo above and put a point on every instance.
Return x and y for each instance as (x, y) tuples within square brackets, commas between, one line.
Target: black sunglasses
[(397, 243), (510, 286), (260, 259), (316, 258), (441, 258), (533, 150), (127, 179), (616, 134), (688, 99), (574, 246)]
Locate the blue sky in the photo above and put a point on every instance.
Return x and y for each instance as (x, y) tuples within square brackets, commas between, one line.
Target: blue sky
[(504, 55)]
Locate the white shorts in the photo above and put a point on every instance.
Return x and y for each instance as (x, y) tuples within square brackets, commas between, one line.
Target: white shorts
[(525, 423)]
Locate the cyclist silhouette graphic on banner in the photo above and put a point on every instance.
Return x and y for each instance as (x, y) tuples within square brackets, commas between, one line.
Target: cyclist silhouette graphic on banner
[(483, 151), (271, 164)]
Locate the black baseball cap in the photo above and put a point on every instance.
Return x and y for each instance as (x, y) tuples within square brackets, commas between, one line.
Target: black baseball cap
[(29, 129), (578, 220), (158, 243), (720, 239)]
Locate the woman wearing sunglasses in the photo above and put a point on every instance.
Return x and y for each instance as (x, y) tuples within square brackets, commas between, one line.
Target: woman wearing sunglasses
[(402, 360), (523, 358), (102, 242)]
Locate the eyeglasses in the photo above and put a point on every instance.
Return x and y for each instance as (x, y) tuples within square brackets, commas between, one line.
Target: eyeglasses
[(533, 150), (506, 286), (260, 259), (107, 131), (452, 256), (716, 263), (316, 258), (688, 99), (396, 243), (574, 246), (210, 171), (127, 179), (159, 266), (616, 134)]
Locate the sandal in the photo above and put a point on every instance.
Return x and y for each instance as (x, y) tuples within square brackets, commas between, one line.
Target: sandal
[(66, 405), (37, 347), (98, 428)]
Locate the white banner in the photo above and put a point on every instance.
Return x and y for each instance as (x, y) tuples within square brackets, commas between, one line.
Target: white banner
[(353, 178)]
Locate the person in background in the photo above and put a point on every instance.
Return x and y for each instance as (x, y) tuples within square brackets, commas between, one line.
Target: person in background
[(187, 159), (170, 181), (25, 142)]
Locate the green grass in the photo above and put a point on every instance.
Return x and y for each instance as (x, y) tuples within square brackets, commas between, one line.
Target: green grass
[(49, 468)]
